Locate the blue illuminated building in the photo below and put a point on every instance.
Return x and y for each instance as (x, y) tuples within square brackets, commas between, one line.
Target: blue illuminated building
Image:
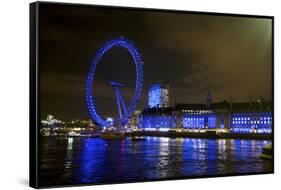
[(157, 119), (222, 117), (259, 122), (158, 96), (202, 119)]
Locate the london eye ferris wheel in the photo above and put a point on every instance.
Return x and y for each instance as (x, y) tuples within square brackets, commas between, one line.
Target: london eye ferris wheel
[(125, 112)]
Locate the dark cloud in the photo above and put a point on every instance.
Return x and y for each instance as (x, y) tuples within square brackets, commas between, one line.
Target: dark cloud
[(192, 53)]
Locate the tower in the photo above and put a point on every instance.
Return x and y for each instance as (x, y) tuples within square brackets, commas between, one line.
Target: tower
[(158, 95), (231, 102), (209, 99)]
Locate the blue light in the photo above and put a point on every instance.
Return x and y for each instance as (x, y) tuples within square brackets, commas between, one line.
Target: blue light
[(154, 96), (250, 121), (118, 42), (158, 96), (208, 121)]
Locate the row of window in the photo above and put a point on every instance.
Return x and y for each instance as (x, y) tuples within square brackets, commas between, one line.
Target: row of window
[(197, 112), (248, 130), (189, 121), (248, 118), (252, 122)]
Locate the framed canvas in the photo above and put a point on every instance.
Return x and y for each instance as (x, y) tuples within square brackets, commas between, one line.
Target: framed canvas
[(121, 95)]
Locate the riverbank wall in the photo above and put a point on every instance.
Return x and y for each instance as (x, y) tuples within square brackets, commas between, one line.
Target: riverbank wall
[(207, 135)]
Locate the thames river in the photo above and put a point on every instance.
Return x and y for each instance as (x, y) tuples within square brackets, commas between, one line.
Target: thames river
[(66, 161)]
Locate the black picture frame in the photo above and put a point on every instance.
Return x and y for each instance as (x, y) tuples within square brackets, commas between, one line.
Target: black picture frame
[(34, 90)]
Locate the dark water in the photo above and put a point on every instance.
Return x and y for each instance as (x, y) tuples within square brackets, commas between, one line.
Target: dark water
[(88, 160)]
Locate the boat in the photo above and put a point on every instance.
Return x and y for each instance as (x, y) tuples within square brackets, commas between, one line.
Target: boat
[(112, 135), (266, 152)]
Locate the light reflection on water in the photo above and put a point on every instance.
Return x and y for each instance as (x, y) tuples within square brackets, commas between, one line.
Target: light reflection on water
[(90, 160)]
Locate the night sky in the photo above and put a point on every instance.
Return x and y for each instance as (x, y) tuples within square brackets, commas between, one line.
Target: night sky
[(192, 53)]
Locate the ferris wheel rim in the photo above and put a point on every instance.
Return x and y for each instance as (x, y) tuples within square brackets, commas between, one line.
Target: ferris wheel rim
[(132, 49)]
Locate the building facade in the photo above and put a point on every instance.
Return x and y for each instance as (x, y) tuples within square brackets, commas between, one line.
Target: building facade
[(220, 117), (158, 95)]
